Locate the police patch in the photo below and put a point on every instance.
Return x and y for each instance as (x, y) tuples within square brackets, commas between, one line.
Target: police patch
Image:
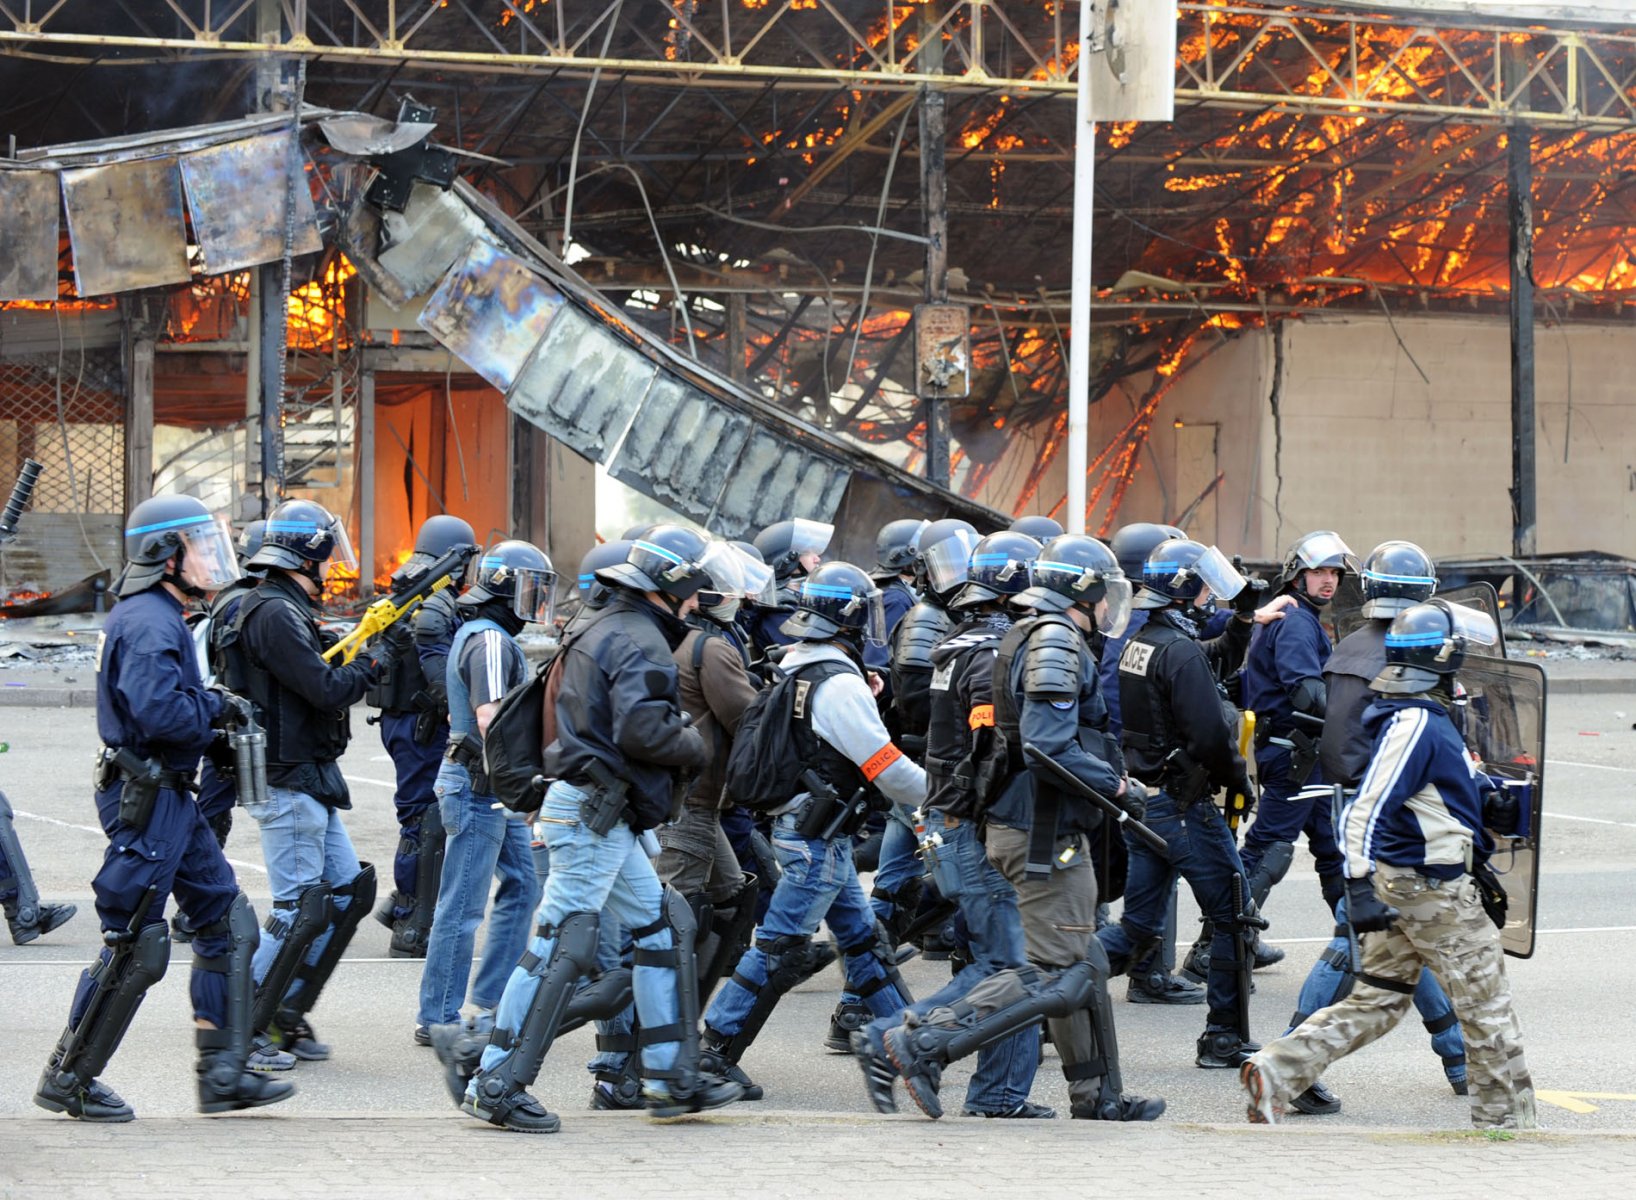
[(1135, 658), (942, 677)]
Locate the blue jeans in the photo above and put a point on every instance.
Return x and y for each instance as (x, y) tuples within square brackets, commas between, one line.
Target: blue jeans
[(302, 842), (1204, 854), (595, 873), (819, 884), (1279, 817), (1005, 1070), (483, 843), (1324, 983)]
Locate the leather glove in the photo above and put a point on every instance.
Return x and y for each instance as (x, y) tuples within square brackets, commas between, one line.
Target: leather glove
[(1249, 597), (374, 657), (220, 754), (1366, 911), (1134, 801), (1241, 786), (236, 713)]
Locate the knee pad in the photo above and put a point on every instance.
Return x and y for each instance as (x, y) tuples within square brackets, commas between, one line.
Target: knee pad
[(298, 923), (133, 966), (1270, 870), (239, 927)]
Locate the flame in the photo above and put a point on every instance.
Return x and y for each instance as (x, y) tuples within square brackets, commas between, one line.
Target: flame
[(318, 309), (527, 6)]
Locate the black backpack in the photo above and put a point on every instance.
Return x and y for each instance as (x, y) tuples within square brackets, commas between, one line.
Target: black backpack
[(514, 745), (774, 742)]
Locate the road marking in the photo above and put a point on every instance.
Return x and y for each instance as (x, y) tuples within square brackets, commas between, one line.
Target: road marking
[(366, 779), (248, 866), (1591, 820), (1541, 932), (1562, 762), (1575, 1102), (31, 961)]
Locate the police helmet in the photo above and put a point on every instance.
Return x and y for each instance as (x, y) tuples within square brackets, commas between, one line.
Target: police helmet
[(998, 568), (1314, 551), (1396, 576), (250, 540), (668, 560), (1041, 529), (1077, 569), (835, 600), (180, 527), (783, 543), (302, 536), (945, 556), (636, 531), (517, 572), (1131, 544), (897, 545), (603, 554), (1427, 642)]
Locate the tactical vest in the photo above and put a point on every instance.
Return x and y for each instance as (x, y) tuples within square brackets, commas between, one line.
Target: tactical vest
[(952, 736), (844, 775), (296, 731), (1149, 735), (922, 628), (401, 679)]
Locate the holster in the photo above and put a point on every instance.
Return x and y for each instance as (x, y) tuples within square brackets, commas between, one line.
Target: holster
[(144, 778), (604, 804), (467, 751), (813, 819), (430, 717)]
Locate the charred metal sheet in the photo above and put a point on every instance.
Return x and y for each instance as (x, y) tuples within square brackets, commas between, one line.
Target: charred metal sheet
[(420, 244), (776, 477), (237, 194), (680, 447), (28, 235), (363, 136), (125, 224), (492, 310), (583, 385)]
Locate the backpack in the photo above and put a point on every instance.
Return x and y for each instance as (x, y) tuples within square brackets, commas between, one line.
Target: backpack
[(769, 751)]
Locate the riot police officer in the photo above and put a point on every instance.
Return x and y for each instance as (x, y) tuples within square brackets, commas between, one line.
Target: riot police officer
[(620, 737), (793, 549), (155, 717), (1179, 740), (1046, 693), (897, 554), (415, 731), (1041, 528), (1395, 577), (1411, 837), (272, 653)]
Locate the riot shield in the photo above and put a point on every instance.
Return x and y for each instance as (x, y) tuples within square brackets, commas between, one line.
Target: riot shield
[(1504, 725), (1484, 598)]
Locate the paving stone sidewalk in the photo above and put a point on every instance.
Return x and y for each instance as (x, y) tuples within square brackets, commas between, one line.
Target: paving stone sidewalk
[(772, 1154)]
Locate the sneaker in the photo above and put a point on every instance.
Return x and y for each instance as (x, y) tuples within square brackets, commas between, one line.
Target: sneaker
[(879, 1076), (710, 1091), (296, 1037), (1263, 1107), (921, 1079), (1026, 1111), (264, 1056), (1317, 1101), (1162, 988), (422, 1036)]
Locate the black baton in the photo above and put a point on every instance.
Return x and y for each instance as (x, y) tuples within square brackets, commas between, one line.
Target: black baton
[(1071, 782)]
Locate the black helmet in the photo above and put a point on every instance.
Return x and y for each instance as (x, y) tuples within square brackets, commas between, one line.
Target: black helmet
[(637, 531), (1041, 529), (1131, 544), (897, 545), (1178, 569), (1396, 576), (783, 543), (1426, 642), (603, 554), (669, 560), (1077, 569), (998, 568), (440, 534), (180, 527), (837, 599), (250, 539), (945, 556), (518, 572), (1315, 550), (302, 536)]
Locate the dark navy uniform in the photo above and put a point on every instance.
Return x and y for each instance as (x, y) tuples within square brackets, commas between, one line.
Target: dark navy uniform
[(918, 632)]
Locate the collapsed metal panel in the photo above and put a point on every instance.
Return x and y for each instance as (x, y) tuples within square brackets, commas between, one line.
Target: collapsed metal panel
[(125, 224), (774, 478), (28, 235), (491, 310), (582, 385), (424, 241), (238, 194), (680, 447)]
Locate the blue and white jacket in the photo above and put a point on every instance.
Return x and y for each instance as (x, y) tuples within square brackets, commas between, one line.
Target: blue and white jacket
[(1420, 804)]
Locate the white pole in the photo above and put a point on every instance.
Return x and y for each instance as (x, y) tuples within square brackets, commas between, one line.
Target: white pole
[(1079, 313)]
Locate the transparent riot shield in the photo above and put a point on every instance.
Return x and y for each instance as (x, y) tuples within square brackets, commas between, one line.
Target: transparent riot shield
[(1483, 597), (1503, 721)]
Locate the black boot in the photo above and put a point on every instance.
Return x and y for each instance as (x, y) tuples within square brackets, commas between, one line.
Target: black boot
[(1265, 955), (849, 1017), (713, 1060), (94, 1101), (45, 918), (1317, 1101), (1160, 988), (1221, 1049), (1111, 1106), (704, 1091), (224, 1083)]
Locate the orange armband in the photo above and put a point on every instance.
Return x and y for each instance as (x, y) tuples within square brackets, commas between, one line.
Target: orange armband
[(880, 760)]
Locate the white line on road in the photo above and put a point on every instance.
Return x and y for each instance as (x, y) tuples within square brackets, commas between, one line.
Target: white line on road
[(1562, 762), (1541, 932), (1591, 820), (366, 779), (248, 866)]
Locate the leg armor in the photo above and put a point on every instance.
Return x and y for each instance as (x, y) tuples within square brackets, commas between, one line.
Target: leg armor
[(1270, 870), (132, 964), (1089, 1047), (726, 936), (298, 922), (791, 961), (224, 1083), (24, 912), (869, 991), (411, 933), (352, 903), (896, 909), (682, 1076), (602, 998), (496, 1091)]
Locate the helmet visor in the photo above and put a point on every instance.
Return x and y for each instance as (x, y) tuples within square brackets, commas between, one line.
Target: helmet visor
[(208, 560), (535, 596), (1113, 610), (342, 555), (1324, 549), (873, 607), (948, 562), (735, 575), (810, 537), (1219, 575), (1474, 625)]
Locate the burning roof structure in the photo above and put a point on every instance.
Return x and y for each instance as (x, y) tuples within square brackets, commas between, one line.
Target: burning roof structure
[(743, 177)]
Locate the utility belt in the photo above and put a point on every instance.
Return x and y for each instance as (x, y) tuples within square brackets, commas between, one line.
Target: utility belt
[(1178, 776), (825, 816), (144, 779), (467, 751)]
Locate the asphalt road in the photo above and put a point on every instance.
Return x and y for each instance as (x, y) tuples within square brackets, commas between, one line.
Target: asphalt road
[(1573, 996)]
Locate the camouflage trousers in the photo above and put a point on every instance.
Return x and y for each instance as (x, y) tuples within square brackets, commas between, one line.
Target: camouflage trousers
[(1443, 928)]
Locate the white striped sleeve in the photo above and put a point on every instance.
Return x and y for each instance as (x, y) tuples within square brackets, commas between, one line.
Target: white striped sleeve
[(1380, 783)]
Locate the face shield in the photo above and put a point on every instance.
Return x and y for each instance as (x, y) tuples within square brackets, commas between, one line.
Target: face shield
[(810, 537), (535, 596), (948, 563), (342, 555), (1219, 575), (1113, 610), (1471, 625), (1324, 549), (208, 560), (874, 610)]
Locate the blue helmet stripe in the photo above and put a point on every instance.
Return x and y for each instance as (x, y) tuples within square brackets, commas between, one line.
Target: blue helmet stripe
[(827, 590), (292, 527), (659, 550), (1425, 580), (1415, 639), (176, 524)]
